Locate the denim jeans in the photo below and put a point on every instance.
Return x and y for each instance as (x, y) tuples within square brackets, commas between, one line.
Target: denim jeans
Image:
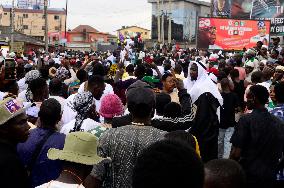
[(224, 145)]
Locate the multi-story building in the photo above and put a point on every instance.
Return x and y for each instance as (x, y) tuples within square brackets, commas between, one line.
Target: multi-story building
[(183, 15), (131, 31), (31, 21)]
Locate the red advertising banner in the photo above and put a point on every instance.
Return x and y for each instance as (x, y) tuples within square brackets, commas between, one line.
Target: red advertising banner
[(231, 34)]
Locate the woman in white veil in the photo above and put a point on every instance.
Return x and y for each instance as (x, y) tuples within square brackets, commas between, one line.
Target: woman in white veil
[(202, 84), (206, 98)]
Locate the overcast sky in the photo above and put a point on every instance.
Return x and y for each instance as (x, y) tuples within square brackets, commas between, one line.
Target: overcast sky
[(104, 15)]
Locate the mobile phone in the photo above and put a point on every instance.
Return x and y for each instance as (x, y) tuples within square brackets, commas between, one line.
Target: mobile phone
[(10, 69)]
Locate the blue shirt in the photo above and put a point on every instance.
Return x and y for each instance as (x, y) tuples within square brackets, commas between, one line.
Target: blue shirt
[(278, 111), (44, 170)]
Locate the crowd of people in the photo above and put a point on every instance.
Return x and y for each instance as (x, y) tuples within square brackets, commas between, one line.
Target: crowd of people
[(160, 117)]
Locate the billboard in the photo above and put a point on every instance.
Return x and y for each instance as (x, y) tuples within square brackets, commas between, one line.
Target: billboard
[(231, 34), (272, 10), (221, 8)]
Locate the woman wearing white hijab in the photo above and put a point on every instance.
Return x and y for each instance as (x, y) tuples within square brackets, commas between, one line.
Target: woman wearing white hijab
[(207, 99), (202, 84)]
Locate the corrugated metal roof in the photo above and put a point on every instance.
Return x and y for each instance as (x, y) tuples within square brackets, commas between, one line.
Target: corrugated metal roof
[(19, 37)]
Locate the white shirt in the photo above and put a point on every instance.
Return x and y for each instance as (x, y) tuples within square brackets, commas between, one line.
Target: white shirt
[(112, 59), (161, 69), (57, 184), (68, 112), (61, 100), (22, 96), (2, 95), (22, 84), (57, 60), (108, 90), (73, 77), (87, 125)]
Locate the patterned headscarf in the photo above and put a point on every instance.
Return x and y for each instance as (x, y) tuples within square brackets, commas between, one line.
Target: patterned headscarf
[(62, 73), (31, 75), (82, 104)]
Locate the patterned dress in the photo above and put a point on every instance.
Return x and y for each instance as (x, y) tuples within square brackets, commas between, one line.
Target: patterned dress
[(123, 145)]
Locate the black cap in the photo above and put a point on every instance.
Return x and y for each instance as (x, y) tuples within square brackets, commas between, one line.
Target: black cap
[(140, 93)]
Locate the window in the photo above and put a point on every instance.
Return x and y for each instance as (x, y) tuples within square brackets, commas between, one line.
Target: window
[(5, 13), (25, 15), (56, 17), (145, 33), (78, 39), (25, 27), (43, 27), (57, 28)]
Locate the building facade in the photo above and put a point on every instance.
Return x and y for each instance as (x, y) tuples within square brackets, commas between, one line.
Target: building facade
[(31, 21), (85, 37), (131, 31), (183, 15)]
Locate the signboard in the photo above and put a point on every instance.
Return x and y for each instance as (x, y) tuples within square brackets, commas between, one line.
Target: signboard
[(231, 34), (272, 10), (18, 47), (75, 45), (221, 8), (261, 9)]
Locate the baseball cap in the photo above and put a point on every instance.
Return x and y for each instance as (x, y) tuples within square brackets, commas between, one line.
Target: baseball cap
[(140, 93), (10, 108)]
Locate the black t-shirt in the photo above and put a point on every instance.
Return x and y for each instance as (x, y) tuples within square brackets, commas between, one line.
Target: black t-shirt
[(231, 102), (260, 136), (239, 89), (12, 173)]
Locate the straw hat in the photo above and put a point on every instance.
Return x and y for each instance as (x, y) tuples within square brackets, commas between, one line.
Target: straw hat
[(79, 147)]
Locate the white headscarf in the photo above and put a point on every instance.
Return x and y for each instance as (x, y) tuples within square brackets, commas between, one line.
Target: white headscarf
[(203, 84)]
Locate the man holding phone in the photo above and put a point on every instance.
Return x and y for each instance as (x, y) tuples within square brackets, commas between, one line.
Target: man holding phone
[(10, 71)]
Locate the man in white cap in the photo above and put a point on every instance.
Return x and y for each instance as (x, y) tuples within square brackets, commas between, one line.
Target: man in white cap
[(262, 54), (251, 57), (250, 68)]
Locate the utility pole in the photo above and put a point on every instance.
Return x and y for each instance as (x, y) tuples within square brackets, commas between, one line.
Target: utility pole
[(12, 25), (163, 24), (46, 25), (66, 9), (170, 23), (159, 20)]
